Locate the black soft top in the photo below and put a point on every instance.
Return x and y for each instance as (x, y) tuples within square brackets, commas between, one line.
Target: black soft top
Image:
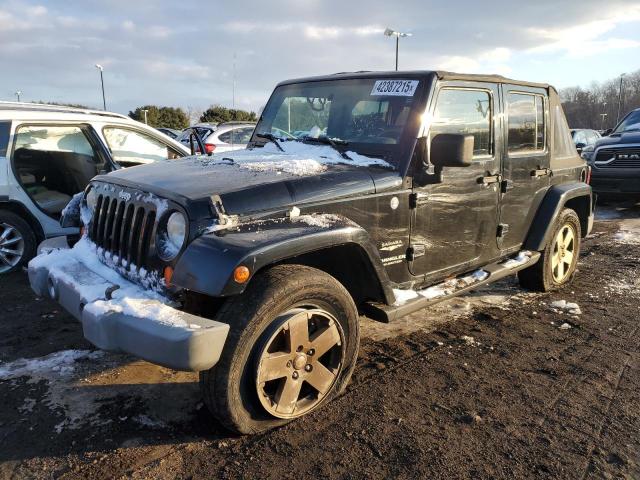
[(441, 75)]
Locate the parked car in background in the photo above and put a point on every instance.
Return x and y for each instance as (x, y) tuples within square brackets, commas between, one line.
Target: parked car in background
[(48, 154), (615, 160), (203, 130), (170, 132), (584, 137), (229, 136)]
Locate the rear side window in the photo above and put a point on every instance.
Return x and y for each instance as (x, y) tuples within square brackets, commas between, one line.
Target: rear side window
[(225, 137), (465, 112), (5, 128), (563, 146), (526, 123)]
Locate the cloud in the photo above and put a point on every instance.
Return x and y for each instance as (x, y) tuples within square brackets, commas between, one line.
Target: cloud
[(586, 39), (156, 52)]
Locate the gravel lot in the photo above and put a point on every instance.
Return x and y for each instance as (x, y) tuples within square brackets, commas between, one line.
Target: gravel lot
[(498, 384)]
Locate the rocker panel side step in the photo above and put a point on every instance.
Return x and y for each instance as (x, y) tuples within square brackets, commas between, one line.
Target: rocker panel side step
[(497, 271)]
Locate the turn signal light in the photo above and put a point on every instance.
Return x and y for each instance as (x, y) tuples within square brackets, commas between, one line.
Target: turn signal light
[(168, 275), (241, 274)]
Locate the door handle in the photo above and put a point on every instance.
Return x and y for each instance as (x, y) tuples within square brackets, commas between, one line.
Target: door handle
[(541, 172), (491, 179)]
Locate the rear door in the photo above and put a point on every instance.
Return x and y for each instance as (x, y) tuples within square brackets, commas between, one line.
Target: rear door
[(525, 174), (51, 162), (454, 222)]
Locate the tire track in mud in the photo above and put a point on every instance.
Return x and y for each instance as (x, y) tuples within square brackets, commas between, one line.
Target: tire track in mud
[(605, 417)]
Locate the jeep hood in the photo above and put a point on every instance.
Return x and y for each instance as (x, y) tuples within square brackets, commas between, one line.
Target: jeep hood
[(262, 178)]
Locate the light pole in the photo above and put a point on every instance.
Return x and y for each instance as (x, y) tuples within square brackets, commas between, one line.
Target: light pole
[(603, 115), (145, 117), (18, 93), (620, 98), (392, 33), (104, 101)]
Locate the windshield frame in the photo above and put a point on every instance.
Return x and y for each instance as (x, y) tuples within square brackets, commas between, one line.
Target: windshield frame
[(396, 154)]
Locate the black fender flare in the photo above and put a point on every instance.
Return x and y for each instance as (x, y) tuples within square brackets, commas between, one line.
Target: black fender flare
[(208, 263), (552, 204)]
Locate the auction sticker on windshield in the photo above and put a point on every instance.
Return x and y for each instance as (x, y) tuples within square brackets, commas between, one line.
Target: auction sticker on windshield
[(396, 88)]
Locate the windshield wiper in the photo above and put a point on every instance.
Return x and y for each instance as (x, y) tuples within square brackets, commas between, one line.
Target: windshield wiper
[(272, 138), (333, 142)]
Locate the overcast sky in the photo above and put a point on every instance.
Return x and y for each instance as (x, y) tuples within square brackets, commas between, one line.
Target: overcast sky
[(181, 53)]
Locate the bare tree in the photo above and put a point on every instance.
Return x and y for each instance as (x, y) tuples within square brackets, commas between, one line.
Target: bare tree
[(597, 106)]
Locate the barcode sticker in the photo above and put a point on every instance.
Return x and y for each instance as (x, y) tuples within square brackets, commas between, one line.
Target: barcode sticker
[(395, 88)]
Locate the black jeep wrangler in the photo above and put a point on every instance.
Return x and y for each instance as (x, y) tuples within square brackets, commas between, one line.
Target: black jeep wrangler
[(374, 193)]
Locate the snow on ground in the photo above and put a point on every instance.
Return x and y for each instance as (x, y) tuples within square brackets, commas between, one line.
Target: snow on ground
[(57, 371), (58, 363), (564, 306), (78, 386)]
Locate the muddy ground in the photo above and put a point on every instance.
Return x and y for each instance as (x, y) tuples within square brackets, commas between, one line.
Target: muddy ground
[(497, 384)]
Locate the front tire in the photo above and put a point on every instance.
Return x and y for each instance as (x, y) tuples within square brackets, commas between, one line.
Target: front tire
[(17, 242), (559, 259), (292, 348)]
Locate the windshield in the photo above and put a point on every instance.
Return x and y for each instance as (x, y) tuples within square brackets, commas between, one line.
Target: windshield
[(368, 116), (630, 122)]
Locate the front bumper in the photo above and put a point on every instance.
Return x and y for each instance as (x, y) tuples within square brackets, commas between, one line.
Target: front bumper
[(622, 184), (155, 332)]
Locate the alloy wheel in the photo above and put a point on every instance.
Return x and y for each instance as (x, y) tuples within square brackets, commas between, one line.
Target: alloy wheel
[(563, 252), (300, 362), (11, 247)]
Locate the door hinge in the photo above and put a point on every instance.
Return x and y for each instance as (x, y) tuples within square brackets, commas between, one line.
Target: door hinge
[(418, 199), (415, 251), (503, 228)]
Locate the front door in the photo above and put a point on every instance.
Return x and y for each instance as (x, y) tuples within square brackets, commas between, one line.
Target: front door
[(525, 163), (455, 220)]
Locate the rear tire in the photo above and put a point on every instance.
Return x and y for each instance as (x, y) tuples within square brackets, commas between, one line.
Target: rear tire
[(558, 261), (236, 391), (17, 242)]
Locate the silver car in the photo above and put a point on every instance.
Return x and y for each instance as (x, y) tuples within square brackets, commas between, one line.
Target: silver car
[(223, 137)]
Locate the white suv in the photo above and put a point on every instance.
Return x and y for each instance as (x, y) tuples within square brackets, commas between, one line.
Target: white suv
[(49, 153)]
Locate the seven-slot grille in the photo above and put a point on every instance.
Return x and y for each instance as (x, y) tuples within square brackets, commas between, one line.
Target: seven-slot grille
[(621, 157), (123, 228)]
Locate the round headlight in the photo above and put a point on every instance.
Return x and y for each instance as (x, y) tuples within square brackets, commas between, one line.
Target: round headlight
[(174, 236)]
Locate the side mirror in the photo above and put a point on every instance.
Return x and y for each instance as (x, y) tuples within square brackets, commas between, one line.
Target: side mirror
[(580, 146), (607, 132), (451, 150)]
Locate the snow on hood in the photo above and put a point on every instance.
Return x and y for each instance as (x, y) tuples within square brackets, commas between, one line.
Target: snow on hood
[(297, 159)]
